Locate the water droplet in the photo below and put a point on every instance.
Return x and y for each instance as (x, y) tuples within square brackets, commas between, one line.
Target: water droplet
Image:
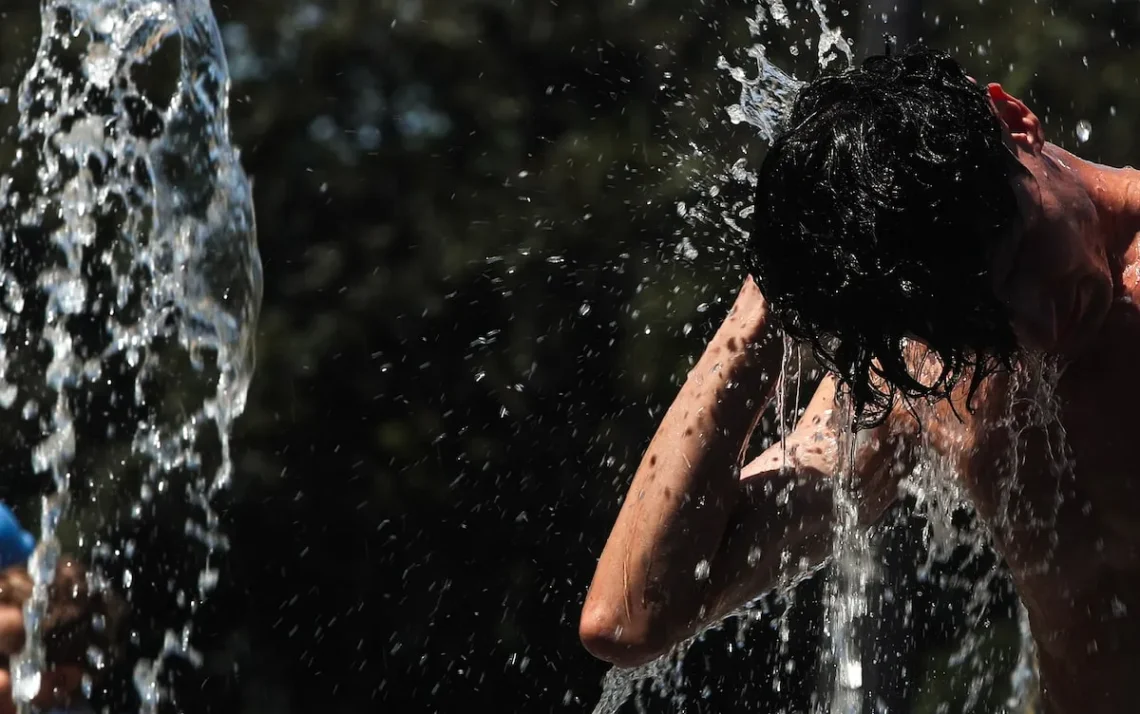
[(1084, 130), (754, 554), (702, 570), (851, 674), (584, 309), (100, 64), (25, 687), (95, 658), (207, 579)]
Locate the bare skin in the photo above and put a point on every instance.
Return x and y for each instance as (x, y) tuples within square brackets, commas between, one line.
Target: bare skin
[(1069, 534)]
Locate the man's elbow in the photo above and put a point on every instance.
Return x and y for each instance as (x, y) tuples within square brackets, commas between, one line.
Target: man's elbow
[(609, 637)]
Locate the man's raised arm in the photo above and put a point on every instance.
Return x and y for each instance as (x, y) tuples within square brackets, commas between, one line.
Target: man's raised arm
[(698, 537)]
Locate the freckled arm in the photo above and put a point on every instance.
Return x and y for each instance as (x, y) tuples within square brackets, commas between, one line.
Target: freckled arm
[(684, 492), (696, 536)]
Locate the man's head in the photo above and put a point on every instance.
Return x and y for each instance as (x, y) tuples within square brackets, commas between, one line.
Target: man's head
[(906, 202)]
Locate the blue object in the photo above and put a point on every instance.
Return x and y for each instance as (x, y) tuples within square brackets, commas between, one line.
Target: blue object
[(16, 544)]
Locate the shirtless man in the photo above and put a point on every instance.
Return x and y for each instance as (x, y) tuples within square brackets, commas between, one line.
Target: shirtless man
[(919, 232)]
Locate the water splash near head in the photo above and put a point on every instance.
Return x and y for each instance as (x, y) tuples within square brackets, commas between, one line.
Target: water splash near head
[(766, 99), (766, 96), (131, 279)]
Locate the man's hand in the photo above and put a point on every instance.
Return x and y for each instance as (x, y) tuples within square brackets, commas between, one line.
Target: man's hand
[(61, 684)]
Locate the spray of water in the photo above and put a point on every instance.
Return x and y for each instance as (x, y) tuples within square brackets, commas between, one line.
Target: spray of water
[(131, 280)]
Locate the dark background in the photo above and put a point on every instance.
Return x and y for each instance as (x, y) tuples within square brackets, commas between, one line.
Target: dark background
[(478, 302)]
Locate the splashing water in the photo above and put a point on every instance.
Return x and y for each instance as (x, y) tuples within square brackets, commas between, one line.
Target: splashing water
[(663, 676), (766, 99), (130, 281)]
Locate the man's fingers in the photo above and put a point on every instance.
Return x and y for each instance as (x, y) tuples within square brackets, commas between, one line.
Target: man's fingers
[(11, 630)]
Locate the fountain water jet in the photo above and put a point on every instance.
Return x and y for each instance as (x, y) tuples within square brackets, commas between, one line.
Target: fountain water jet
[(131, 281)]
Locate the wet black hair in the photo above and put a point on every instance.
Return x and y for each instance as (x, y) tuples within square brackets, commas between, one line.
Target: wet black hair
[(878, 210)]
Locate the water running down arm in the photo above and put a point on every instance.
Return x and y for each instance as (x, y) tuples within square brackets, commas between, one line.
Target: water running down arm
[(697, 537)]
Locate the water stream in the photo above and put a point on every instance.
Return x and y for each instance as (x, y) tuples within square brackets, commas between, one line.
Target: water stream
[(131, 285), (851, 574)]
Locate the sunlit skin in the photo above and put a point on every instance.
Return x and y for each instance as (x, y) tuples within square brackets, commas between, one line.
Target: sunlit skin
[(1071, 537)]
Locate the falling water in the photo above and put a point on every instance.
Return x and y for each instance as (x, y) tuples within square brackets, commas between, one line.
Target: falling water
[(662, 676), (131, 281), (852, 568), (765, 102)]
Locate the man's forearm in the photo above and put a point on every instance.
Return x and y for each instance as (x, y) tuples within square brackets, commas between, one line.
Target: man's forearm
[(655, 565)]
